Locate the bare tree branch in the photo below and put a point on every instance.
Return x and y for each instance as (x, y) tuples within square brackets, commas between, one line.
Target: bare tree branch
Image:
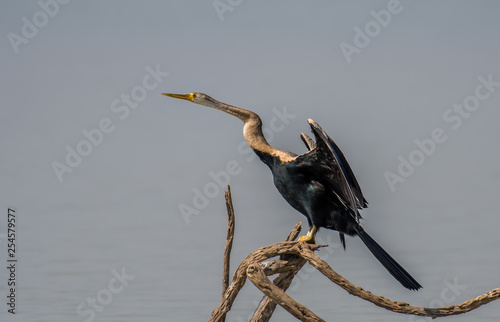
[(256, 275), (396, 306), (267, 306), (229, 243), (293, 256), (239, 277)]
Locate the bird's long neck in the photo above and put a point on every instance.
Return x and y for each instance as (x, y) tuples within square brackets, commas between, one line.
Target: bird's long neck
[(252, 131)]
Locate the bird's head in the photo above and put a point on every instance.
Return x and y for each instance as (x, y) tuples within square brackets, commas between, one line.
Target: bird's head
[(198, 98), (204, 99)]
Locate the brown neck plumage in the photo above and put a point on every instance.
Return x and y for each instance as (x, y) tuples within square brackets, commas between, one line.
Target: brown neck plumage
[(252, 130)]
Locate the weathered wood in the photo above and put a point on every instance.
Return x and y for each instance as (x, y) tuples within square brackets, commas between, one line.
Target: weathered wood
[(239, 277), (266, 307), (294, 233), (293, 255), (257, 276), (396, 306), (283, 281), (229, 243), (306, 251)]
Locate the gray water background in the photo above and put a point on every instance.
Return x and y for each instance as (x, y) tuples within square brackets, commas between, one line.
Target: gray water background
[(119, 208)]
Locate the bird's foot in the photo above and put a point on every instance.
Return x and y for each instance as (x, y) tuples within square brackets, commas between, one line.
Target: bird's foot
[(308, 239)]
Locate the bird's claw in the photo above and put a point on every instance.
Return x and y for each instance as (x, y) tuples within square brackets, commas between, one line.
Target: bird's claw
[(308, 239)]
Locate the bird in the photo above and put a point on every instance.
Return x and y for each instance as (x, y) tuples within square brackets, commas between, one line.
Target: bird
[(320, 184)]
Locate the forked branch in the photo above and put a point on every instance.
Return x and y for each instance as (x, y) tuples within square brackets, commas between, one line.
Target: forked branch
[(293, 255)]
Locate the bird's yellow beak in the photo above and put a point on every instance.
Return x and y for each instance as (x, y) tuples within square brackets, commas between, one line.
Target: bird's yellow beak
[(187, 97)]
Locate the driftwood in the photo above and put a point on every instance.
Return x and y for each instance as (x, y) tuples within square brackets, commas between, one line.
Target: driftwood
[(292, 257), (283, 279), (229, 244)]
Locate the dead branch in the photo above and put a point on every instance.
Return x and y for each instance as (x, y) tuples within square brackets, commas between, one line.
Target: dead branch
[(396, 306), (256, 275), (229, 243), (267, 306), (239, 277), (293, 256)]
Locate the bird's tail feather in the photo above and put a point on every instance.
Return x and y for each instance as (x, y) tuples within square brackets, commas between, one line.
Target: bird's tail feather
[(342, 239), (389, 263)]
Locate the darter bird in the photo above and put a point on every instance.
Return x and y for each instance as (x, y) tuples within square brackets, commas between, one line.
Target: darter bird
[(319, 183)]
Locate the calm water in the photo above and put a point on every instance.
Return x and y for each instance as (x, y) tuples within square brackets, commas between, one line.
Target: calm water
[(172, 270), (108, 243)]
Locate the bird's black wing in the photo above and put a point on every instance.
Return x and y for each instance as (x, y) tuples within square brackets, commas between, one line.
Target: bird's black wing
[(307, 141), (344, 165), (336, 171)]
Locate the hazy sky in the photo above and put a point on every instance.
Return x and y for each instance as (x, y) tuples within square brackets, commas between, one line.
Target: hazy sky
[(105, 173)]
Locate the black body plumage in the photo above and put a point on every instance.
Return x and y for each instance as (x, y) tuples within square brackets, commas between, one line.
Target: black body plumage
[(320, 184)]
